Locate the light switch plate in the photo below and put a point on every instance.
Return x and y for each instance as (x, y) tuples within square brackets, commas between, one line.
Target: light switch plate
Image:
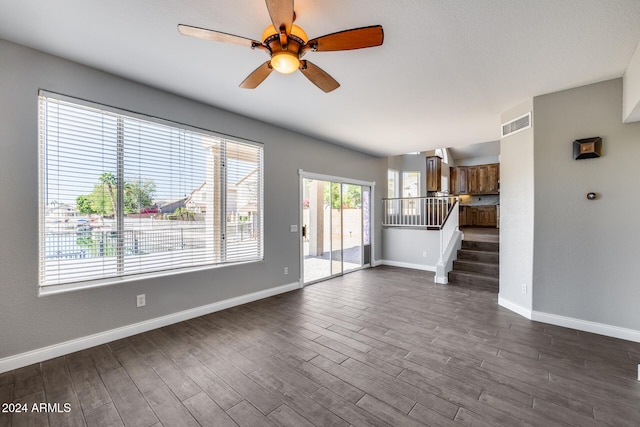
[(293, 228)]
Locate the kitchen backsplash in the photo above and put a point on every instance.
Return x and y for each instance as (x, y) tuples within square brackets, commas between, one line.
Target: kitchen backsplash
[(484, 200)]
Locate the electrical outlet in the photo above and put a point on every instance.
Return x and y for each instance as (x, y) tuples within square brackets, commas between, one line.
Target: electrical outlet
[(286, 270), (524, 288), (141, 300), (424, 254)]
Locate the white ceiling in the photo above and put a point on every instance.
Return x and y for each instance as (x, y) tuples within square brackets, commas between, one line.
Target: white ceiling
[(482, 149), (445, 73)]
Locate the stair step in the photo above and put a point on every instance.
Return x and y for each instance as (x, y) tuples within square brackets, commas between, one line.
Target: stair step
[(488, 269), (474, 279), (481, 246), (479, 256)]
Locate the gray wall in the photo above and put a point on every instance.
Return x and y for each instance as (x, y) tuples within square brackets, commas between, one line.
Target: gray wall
[(412, 248), (586, 252), (474, 161), (516, 211), (409, 163), (30, 322)]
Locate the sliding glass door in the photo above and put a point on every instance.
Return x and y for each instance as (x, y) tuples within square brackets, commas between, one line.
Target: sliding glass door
[(335, 228)]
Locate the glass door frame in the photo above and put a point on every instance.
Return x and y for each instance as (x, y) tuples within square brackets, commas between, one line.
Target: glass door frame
[(340, 180)]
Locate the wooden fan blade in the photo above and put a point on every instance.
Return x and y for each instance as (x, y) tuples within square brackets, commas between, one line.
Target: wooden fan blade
[(281, 13), (257, 76), (357, 38), (216, 36), (318, 76)]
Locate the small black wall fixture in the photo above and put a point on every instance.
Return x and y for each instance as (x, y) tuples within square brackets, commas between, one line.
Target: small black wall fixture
[(587, 148)]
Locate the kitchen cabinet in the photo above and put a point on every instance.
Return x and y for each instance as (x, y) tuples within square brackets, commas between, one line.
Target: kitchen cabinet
[(472, 179), (462, 216), (434, 173), (458, 180), (488, 177), (478, 216), (486, 216), (475, 180), (453, 181)]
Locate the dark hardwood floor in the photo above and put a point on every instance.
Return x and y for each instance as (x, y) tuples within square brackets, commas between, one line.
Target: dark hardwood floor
[(377, 347)]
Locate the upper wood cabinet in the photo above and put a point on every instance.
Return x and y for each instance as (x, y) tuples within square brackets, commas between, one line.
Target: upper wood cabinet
[(481, 179), (491, 180), (434, 173), (472, 178), (458, 180)]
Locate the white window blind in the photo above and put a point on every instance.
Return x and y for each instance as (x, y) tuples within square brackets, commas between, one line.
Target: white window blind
[(121, 196)]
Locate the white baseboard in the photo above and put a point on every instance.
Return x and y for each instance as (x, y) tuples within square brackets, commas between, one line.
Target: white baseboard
[(516, 308), (587, 326), (572, 323), (441, 280), (409, 265), (67, 347)]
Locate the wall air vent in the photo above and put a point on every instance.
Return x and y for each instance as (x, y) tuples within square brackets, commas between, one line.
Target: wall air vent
[(516, 125)]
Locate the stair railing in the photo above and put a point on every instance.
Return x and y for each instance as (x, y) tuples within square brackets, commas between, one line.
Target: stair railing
[(418, 212)]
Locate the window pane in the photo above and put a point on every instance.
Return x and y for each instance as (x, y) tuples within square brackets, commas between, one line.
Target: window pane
[(122, 196), (410, 189), (392, 181)]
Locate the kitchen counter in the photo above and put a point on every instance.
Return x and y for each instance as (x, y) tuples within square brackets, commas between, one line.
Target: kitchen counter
[(480, 204)]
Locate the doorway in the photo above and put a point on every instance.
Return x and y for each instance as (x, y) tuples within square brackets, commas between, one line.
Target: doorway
[(336, 227)]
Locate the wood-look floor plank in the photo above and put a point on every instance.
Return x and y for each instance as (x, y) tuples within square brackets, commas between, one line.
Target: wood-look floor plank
[(178, 381), (286, 417), (86, 380), (6, 378), (431, 417), (169, 409), (144, 377), (374, 388), (103, 359), (27, 381), (414, 393), (6, 393), (130, 404), (324, 379), (246, 415), (30, 417), (253, 393), (563, 415), (377, 347), (388, 413), (300, 402), (221, 393), (348, 411), (206, 412), (105, 415), (5, 417)]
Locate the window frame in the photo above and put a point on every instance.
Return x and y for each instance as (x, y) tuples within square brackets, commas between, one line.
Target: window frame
[(221, 215)]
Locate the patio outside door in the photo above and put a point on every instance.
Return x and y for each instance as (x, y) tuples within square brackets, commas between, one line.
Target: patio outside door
[(335, 224)]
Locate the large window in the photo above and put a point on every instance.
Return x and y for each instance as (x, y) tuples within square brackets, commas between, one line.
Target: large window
[(125, 196), (411, 190), (392, 183), (393, 178)]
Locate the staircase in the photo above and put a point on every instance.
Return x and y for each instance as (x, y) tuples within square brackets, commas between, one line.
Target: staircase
[(477, 265)]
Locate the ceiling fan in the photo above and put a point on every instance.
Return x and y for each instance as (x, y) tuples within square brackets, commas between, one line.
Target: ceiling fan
[(286, 44)]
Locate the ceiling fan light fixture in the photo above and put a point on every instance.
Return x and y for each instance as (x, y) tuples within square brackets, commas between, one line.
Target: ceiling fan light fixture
[(296, 32), (285, 62)]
